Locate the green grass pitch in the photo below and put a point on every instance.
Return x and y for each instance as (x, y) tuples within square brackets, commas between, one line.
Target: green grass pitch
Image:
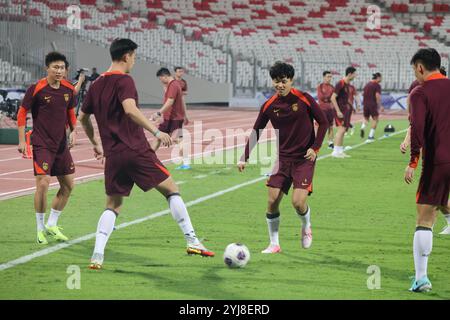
[(363, 214)]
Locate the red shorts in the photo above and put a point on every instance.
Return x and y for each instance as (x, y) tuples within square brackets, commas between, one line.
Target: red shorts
[(124, 169), (46, 162), (169, 126), (370, 111), (434, 185), (345, 121), (298, 172), (330, 114)]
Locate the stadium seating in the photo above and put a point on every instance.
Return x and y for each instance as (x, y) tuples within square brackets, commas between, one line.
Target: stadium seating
[(313, 36), (11, 74)]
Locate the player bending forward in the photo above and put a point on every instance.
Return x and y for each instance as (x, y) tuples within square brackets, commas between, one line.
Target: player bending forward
[(113, 99), (292, 112), (429, 132)]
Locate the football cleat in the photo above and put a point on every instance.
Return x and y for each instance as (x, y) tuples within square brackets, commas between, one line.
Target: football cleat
[(96, 261), (306, 238), (446, 230), (337, 155), (272, 248), (331, 146), (56, 233), (370, 140), (200, 250), (421, 285), (40, 239)]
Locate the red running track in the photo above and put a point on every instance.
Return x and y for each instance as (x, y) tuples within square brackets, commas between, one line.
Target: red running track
[(16, 173)]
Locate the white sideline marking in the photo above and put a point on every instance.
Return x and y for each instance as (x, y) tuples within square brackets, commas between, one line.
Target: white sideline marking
[(40, 253)]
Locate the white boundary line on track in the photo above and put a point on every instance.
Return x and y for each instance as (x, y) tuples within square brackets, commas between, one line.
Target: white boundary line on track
[(43, 252)]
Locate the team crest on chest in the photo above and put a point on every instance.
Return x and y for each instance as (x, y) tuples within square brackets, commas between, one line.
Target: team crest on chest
[(47, 98), (66, 97), (294, 107), (45, 166)]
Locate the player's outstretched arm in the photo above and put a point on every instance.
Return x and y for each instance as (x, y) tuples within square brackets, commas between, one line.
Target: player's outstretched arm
[(85, 120), (131, 110), (259, 125), (335, 105), (21, 121), (321, 119)]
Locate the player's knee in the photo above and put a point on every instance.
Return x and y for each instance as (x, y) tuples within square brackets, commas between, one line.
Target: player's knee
[(67, 188)]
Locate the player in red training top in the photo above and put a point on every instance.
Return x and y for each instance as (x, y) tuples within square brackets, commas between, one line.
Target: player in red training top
[(173, 112), (430, 130), (51, 102), (324, 92), (372, 103), (113, 99), (292, 113), (340, 102)]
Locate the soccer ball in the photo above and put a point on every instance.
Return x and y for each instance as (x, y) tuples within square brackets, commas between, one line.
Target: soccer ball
[(236, 255)]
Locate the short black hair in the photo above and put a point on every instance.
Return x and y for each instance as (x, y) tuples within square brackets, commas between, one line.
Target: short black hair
[(177, 68), (376, 76), (163, 72), (55, 56), (281, 70), (326, 72), (350, 70), (443, 71), (429, 57), (121, 46)]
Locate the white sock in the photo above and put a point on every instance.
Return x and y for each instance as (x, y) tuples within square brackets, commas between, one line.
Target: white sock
[(447, 217), (371, 133), (181, 216), (338, 149), (53, 217), (273, 223), (330, 142), (305, 218), (40, 217), (422, 246), (104, 229), (363, 126)]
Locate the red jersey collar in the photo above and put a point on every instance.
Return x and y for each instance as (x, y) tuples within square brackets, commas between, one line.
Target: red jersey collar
[(108, 73), (435, 76)]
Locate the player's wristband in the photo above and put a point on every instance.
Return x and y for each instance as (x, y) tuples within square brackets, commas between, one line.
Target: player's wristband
[(156, 133)]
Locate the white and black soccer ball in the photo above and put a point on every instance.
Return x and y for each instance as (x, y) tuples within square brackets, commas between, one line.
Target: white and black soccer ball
[(236, 255)]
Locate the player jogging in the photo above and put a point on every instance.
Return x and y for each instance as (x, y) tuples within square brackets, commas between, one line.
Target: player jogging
[(113, 99), (173, 112), (340, 102), (430, 118), (324, 93), (292, 113), (372, 103), (51, 103)]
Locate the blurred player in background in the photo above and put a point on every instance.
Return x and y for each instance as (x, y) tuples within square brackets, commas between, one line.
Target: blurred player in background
[(173, 113), (353, 97), (324, 92), (113, 99), (292, 112), (372, 103), (51, 102), (340, 101), (430, 130)]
